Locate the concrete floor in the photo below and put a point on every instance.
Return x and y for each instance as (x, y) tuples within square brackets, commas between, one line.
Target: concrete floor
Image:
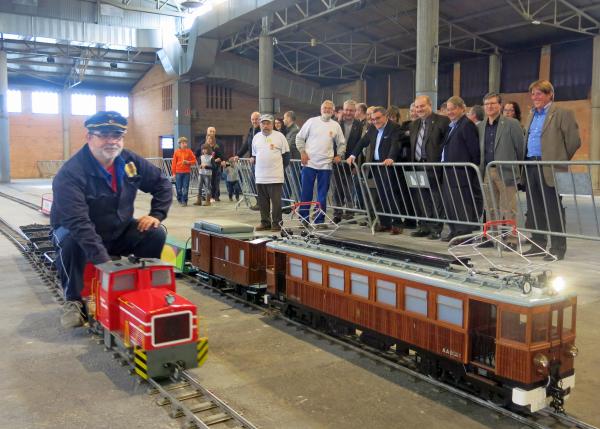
[(274, 375)]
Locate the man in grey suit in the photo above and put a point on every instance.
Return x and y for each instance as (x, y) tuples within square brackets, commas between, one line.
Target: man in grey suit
[(500, 139), (289, 120), (552, 135)]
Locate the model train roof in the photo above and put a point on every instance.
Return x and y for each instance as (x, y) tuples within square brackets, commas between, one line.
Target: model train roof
[(459, 281), (222, 226), (128, 263)]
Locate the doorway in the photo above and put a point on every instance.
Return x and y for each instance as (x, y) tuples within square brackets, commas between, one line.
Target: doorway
[(482, 331)]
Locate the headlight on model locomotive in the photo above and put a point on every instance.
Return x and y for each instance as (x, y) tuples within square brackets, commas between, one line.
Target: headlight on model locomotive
[(572, 351), (558, 285), (541, 362)]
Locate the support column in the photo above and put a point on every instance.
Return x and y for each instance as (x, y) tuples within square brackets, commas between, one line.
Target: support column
[(65, 114), (4, 144), (595, 120), (494, 73), (456, 79), (427, 49), (182, 120), (545, 62), (265, 69)]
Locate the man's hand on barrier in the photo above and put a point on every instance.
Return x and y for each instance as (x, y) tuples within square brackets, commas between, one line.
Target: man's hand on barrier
[(337, 159), (350, 160), (388, 162), (234, 158), (147, 222), (252, 160), (304, 158)]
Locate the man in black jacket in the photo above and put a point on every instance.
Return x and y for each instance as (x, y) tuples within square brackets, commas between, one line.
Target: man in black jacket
[(343, 189), (427, 135), (384, 140), (246, 148), (92, 211)]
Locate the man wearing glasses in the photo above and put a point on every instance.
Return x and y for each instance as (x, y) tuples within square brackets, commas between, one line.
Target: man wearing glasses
[(92, 210)]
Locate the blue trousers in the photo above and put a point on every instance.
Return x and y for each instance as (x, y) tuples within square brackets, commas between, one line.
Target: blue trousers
[(323, 177), (182, 183), (71, 258)]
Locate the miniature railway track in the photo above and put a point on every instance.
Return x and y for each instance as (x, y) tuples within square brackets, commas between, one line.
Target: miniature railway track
[(187, 398), (190, 389), (197, 405)]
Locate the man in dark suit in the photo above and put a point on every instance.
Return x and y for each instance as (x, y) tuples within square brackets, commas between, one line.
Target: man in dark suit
[(427, 135), (460, 184), (384, 141), (552, 135), (343, 191)]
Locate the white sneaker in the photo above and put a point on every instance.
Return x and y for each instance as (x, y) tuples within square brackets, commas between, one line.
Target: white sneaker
[(72, 316), (212, 200)]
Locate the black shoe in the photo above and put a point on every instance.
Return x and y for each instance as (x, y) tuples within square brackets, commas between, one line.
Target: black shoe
[(420, 233), (534, 251), (286, 210), (448, 237), (434, 236), (337, 219), (382, 228), (486, 244)]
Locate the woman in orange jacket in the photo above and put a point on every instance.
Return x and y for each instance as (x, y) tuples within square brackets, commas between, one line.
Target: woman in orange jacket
[(183, 159)]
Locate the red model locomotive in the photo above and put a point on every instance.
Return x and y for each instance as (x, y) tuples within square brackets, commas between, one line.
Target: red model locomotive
[(134, 303)]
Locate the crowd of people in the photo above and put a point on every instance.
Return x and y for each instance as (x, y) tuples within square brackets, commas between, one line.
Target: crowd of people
[(332, 146)]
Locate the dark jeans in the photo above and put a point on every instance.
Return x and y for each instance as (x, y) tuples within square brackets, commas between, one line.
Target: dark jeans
[(233, 188), (215, 185), (460, 207), (269, 202), (309, 175), (343, 192), (545, 211), (71, 257), (387, 192), (182, 183)]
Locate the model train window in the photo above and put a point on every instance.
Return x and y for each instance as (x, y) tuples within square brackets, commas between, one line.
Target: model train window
[(242, 257), (540, 327), (336, 279), (226, 253), (567, 326), (296, 268), (196, 247), (450, 310), (386, 292), (161, 277), (514, 326), (105, 281), (359, 285), (416, 300), (124, 282), (554, 332), (315, 273)]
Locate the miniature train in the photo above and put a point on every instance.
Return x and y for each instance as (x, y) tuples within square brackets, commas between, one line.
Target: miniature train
[(133, 304), (475, 332)]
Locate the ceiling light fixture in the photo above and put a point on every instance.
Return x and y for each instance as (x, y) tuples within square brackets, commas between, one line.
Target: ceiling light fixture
[(50, 59), (191, 4), (114, 65), (536, 22)]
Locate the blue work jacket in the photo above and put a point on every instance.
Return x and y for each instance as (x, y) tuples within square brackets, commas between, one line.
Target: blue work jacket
[(86, 206)]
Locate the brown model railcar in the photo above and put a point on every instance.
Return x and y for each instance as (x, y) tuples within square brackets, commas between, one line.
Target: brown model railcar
[(517, 346), (230, 251)]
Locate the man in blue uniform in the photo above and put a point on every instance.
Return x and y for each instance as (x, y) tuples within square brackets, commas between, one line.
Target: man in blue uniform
[(92, 210)]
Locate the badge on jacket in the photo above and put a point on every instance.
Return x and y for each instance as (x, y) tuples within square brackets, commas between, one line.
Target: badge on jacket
[(130, 169)]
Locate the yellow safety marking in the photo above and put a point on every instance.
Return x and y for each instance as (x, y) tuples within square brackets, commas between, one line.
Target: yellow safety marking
[(140, 363), (141, 374), (202, 348), (140, 353)]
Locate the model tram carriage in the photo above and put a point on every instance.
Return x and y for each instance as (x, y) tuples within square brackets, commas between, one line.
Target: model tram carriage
[(477, 332)]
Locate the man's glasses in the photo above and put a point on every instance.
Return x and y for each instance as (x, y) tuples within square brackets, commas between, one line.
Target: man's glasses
[(108, 136)]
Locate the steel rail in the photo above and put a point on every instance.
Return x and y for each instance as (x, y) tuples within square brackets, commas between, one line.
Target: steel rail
[(373, 355)]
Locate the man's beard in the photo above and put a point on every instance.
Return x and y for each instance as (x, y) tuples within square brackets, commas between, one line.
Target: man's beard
[(108, 154)]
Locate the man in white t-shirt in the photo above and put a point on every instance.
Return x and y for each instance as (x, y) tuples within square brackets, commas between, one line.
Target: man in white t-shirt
[(271, 154), (316, 142)]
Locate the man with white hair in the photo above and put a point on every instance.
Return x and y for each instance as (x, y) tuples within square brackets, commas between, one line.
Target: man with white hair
[(316, 142)]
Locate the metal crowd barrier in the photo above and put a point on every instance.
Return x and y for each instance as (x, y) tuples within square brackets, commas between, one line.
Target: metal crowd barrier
[(573, 186), (245, 169), (49, 168), (434, 193)]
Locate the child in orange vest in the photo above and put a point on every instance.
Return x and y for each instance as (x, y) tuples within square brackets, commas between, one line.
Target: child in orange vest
[(183, 159)]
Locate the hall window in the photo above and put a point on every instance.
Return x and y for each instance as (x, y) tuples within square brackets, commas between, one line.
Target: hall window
[(118, 104), (13, 101), (83, 104), (44, 102)]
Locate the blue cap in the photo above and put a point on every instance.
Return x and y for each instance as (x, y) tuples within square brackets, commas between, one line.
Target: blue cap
[(107, 122)]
